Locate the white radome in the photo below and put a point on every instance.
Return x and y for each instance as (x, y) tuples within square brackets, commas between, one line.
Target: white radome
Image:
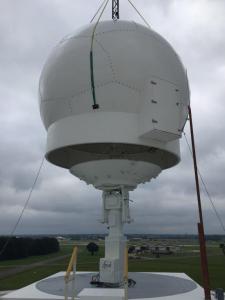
[(142, 92)]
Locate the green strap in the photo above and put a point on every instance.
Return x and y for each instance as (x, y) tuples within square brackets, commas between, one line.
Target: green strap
[(95, 105)]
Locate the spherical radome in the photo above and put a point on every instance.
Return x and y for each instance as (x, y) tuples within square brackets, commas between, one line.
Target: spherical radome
[(126, 56), (141, 88), (131, 135)]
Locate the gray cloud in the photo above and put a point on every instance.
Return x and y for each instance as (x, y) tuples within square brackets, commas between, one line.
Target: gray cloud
[(61, 203)]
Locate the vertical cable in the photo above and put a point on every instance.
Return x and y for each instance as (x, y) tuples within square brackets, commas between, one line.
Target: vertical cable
[(201, 234), (95, 105), (139, 14), (24, 208), (98, 11)]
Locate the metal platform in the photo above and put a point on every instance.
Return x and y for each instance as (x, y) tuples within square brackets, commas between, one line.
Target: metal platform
[(148, 286)]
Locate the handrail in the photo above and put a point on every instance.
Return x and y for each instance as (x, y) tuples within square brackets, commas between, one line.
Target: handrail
[(73, 261), (126, 274), (71, 267)]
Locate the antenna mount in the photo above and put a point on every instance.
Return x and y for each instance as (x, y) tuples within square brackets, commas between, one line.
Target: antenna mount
[(115, 10)]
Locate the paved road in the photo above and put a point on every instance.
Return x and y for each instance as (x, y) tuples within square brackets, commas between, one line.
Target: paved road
[(22, 268)]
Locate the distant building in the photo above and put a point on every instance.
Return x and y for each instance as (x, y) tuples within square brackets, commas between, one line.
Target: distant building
[(60, 238)]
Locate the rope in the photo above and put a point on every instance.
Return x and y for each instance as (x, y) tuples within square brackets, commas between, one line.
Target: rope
[(146, 23), (98, 10), (24, 207), (91, 58), (206, 190)]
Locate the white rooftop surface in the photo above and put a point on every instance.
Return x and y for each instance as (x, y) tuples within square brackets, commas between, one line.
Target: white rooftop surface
[(99, 293), (31, 291)]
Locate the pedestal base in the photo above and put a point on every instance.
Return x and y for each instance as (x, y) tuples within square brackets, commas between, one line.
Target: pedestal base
[(101, 294), (158, 286)]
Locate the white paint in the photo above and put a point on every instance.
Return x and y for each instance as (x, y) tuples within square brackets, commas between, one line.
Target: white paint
[(115, 214), (141, 88), (115, 172), (30, 292), (142, 91), (101, 294)]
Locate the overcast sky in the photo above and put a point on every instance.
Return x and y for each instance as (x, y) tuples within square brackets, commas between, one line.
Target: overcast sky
[(60, 202)]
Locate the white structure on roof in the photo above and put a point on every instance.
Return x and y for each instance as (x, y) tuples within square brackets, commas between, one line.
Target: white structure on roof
[(142, 91), (54, 290)]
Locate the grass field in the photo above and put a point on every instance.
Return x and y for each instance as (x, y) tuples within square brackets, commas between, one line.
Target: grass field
[(186, 263), (32, 259)]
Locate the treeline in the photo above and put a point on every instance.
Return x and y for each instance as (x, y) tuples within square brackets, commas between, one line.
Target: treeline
[(24, 247), (94, 237)]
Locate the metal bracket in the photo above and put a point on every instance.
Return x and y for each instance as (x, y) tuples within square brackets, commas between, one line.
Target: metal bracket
[(115, 10)]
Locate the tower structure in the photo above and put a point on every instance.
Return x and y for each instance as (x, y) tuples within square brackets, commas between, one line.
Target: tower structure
[(142, 96)]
